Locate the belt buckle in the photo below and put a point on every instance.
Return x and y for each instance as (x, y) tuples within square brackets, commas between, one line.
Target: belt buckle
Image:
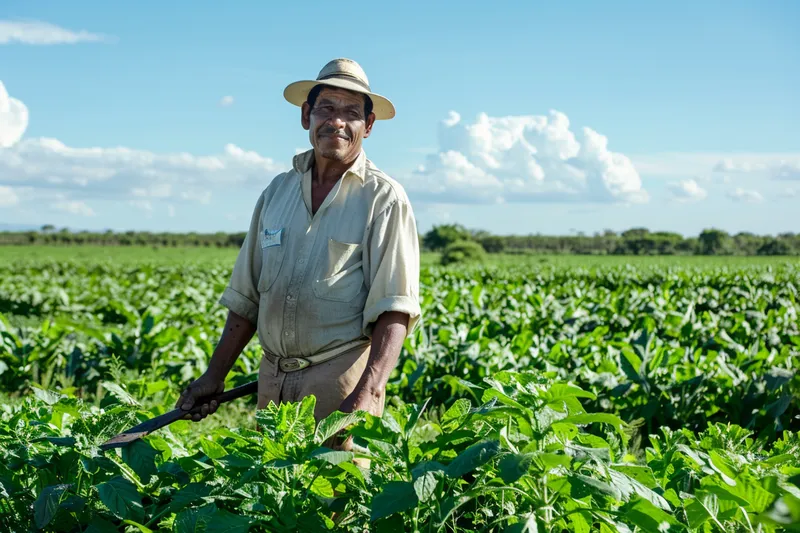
[(290, 364)]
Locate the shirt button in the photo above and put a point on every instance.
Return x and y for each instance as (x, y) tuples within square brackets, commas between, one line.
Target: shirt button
[(301, 261), (290, 297)]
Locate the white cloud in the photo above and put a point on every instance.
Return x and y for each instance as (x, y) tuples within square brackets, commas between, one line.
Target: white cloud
[(745, 195), (45, 168), (171, 210), (790, 192), (8, 197), (43, 33), (780, 168), (687, 191), (75, 207), (118, 173), (713, 166), (226, 101), (524, 158), (13, 118)]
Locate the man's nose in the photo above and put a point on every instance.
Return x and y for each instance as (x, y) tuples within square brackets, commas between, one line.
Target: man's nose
[(337, 121)]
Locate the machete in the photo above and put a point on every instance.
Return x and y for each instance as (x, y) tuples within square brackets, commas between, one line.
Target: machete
[(148, 426)]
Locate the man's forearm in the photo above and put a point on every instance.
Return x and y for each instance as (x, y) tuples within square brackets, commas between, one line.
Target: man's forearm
[(387, 341), (237, 333)]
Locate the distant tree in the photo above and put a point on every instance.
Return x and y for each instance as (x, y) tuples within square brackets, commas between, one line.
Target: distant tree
[(439, 237), (463, 252), (775, 247), (714, 242), (493, 244)]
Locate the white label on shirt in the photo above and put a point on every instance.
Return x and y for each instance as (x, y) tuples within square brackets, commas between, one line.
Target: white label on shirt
[(271, 238)]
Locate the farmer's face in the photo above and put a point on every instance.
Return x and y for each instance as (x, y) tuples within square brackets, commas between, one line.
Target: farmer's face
[(337, 125)]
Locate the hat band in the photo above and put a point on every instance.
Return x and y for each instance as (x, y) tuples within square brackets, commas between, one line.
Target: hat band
[(344, 75)]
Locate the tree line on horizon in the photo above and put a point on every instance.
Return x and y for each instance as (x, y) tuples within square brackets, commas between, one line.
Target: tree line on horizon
[(455, 237)]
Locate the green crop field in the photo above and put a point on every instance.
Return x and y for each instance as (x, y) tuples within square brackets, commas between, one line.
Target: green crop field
[(540, 394)]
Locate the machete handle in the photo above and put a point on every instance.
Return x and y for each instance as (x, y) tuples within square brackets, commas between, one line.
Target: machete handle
[(225, 396), (148, 426)]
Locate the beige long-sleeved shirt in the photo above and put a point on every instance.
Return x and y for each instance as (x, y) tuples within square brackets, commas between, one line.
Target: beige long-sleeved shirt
[(312, 283)]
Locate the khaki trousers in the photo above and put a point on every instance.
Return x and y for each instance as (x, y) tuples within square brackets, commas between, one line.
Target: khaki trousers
[(330, 382)]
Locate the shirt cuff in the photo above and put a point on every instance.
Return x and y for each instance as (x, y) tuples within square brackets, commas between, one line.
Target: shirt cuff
[(239, 304), (402, 304)]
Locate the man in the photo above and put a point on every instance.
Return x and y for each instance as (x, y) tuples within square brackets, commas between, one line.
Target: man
[(328, 274)]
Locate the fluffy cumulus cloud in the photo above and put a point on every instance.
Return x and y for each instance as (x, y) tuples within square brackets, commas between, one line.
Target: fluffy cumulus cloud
[(745, 195), (43, 33), (138, 177), (13, 118), (226, 101), (687, 191), (523, 159), (45, 171)]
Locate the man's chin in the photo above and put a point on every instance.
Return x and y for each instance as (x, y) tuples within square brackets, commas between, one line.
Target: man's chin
[(334, 155)]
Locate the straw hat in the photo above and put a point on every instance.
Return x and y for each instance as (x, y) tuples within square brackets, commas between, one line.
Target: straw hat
[(345, 74)]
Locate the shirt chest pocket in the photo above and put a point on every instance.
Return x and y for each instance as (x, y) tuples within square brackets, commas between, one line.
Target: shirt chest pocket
[(273, 250), (339, 276)]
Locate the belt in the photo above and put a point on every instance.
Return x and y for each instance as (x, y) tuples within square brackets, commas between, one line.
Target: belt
[(292, 364)]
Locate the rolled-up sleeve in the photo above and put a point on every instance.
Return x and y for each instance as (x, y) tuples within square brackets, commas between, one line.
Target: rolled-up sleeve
[(241, 295), (392, 248)]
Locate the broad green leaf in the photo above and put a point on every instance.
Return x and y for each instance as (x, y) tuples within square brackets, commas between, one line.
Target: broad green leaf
[(333, 424), (322, 487), (333, 457), (194, 520), (212, 449), (651, 519), (473, 457), (425, 485), (121, 498), (562, 391), (188, 495), (394, 497), (141, 457), (46, 505), (457, 411), (584, 485), (514, 466)]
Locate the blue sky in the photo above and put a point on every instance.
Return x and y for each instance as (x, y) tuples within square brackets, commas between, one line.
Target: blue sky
[(693, 111)]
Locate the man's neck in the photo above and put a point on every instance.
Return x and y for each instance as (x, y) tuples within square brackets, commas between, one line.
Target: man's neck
[(329, 171)]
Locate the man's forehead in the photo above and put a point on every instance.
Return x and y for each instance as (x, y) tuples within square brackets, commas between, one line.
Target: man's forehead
[(340, 96)]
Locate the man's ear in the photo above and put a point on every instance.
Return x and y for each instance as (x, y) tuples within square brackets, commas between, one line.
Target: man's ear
[(369, 123), (305, 116)]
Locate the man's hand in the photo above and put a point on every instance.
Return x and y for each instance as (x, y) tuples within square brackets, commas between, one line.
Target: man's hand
[(363, 399), (387, 340), (205, 385)]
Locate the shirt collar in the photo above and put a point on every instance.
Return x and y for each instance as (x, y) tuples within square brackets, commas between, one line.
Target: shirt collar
[(303, 161)]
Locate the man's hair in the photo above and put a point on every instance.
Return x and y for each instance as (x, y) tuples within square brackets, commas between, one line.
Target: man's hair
[(314, 93)]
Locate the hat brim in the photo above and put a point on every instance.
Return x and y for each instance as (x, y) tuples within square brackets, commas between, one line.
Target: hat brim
[(296, 93)]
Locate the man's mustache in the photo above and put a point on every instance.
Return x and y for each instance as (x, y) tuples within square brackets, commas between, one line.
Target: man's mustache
[(334, 132)]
